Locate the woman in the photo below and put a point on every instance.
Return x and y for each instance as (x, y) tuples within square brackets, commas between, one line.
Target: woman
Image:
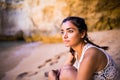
[(91, 61)]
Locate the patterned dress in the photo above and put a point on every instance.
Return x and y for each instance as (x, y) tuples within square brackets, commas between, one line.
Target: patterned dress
[(108, 73)]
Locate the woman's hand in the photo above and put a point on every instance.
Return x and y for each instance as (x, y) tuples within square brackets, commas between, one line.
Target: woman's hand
[(68, 72)]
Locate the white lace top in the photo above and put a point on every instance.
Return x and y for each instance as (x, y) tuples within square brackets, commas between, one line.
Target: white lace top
[(108, 73)]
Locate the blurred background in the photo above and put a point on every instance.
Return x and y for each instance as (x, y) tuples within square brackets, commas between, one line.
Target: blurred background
[(34, 20), (25, 25)]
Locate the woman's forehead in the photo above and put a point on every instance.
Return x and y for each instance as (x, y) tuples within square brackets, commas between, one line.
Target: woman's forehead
[(68, 25)]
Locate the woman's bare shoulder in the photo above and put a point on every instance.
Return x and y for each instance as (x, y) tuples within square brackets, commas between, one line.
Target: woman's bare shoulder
[(96, 57), (92, 53), (89, 63)]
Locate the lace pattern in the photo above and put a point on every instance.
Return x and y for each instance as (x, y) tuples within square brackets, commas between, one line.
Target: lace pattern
[(108, 73)]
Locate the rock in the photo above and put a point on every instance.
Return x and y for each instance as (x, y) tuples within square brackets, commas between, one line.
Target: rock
[(45, 16)]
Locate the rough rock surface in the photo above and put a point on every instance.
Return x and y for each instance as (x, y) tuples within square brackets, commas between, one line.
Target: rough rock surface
[(28, 17)]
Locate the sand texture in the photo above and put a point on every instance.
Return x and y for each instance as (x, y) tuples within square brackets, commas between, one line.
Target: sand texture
[(30, 61)]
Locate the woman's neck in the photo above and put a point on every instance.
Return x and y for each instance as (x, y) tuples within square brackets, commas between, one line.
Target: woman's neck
[(78, 48)]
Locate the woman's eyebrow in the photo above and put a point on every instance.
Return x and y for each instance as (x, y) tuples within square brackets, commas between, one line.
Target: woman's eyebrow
[(69, 28), (61, 30)]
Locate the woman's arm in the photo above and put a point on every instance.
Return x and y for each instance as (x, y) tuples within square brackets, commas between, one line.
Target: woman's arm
[(68, 71), (88, 66)]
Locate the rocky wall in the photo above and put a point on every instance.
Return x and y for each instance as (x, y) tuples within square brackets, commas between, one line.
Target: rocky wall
[(29, 17)]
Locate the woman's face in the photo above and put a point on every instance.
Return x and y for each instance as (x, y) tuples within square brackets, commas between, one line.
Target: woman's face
[(70, 34)]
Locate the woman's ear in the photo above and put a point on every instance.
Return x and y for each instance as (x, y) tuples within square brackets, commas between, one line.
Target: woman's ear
[(83, 34)]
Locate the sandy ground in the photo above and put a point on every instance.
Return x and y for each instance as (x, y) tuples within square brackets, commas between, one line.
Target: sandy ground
[(30, 61)]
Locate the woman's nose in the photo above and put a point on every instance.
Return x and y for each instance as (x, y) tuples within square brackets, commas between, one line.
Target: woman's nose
[(65, 36)]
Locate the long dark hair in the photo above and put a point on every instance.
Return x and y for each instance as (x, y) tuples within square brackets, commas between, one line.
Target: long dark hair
[(82, 27)]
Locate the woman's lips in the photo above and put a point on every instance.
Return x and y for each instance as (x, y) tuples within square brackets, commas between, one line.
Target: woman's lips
[(66, 41)]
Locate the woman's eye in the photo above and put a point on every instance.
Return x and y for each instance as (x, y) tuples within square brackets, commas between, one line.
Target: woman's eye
[(70, 31), (62, 32)]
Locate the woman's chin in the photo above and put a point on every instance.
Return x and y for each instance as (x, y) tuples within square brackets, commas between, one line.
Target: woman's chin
[(67, 45)]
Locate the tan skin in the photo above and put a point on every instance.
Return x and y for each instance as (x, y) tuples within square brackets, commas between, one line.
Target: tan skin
[(94, 60)]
